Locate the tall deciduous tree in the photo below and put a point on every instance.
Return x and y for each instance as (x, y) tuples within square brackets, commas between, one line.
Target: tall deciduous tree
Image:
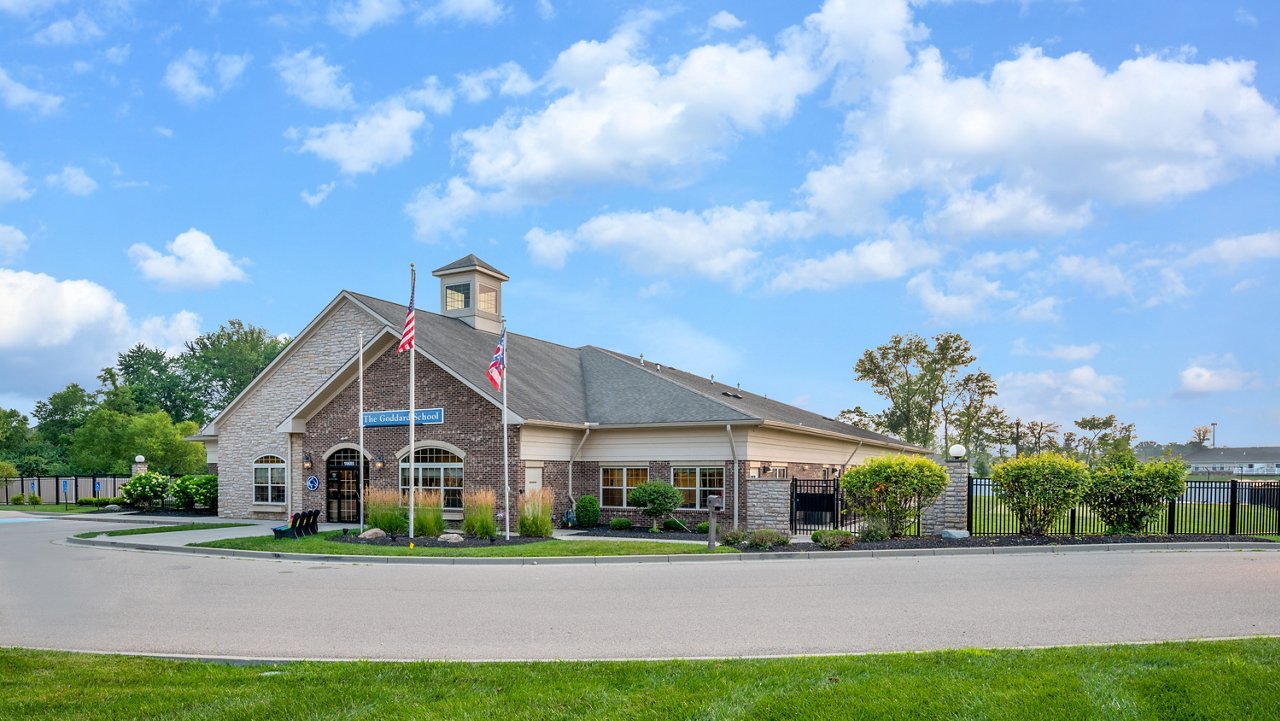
[(222, 363), (15, 431), (62, 414), (158, 383), (1200, 435)]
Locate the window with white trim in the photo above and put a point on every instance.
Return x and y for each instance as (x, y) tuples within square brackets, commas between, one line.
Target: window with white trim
[(457, 297), (487, 299), (437, 470), (268, 480), (617, 482), (695, 483)]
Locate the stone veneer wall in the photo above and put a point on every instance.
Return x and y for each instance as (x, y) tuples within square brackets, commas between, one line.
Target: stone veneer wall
[(951, 510), (249, 430), (472, 424), (769, 504)]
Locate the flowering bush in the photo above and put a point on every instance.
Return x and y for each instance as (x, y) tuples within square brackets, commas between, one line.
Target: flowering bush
[(146, 490), (191, 491)]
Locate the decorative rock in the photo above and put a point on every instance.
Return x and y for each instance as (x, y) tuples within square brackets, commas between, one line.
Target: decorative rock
[(952, 534), (450, 538), (374, 533), (114, 508)]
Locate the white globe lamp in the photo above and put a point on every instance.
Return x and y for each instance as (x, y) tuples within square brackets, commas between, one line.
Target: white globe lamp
[(957, 451)]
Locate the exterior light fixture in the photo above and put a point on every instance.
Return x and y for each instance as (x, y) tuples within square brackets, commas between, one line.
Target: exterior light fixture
[(957, 451), (306, 461), (378, 463)]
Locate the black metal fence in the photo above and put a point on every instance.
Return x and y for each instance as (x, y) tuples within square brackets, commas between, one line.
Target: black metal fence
[(1227, 507), (818, 504), (62, 489)]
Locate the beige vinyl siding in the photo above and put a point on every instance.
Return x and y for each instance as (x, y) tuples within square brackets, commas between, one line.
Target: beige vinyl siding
[(699, 443), (781, 446), (540, 443)]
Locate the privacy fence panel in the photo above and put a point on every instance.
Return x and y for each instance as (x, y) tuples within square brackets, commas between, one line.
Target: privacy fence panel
[(50, 488), (1226, 507)]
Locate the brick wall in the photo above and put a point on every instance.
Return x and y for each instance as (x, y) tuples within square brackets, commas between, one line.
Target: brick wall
[(586, 482), (248, 431), (471, 423)]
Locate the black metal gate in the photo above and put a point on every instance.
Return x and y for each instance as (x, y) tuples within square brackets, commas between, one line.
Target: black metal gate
[(817, 504)]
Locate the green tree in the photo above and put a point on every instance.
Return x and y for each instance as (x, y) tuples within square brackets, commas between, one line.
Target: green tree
[(656, 500), (58, 418), (109, 440), (8, 470), (15, 432), (222, 363), (102, 444), (918, 379), (159, 383), (1101, 435)]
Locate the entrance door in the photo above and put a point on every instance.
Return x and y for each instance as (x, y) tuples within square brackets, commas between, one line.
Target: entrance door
[(532, 479), (342, 472)]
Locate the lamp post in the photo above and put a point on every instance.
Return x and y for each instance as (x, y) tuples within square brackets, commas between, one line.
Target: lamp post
[(1215, 434)]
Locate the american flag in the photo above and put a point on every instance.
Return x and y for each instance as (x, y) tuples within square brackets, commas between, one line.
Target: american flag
[(499, 365), (406, 337)]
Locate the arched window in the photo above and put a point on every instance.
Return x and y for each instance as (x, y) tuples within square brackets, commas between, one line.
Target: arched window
[(438, 470), (268, 480)]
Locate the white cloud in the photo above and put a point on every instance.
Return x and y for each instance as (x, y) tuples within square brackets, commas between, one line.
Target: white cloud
[(73, 180), (864, 42), (13, 183), (13, 243), (725, 21), (358, 17), (886, 258), (507, 79), (55, 331), (1245, 285), (310, 79), (69, 31), (1246, 18), (1214, 374), (1069, 353), (116, 55), (27, 7), (193, 262), (965, 297), (546, 10), (196, 76), (1059, 394), (20, 97), (1044, 310), (1100, 275), (1238, 251), (381, 137), (479, 12), (549, 249), (1003, 211), (316, 198)]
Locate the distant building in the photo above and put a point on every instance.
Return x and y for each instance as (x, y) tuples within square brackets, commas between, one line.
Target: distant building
[(1254, 460)]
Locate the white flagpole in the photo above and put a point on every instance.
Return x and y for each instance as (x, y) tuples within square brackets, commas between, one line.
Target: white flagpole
[(413, 352), (361, 422), (506, 463)]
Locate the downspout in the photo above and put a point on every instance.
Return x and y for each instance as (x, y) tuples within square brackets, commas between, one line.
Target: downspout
[(848, 460), (733, 448), (574, 456)]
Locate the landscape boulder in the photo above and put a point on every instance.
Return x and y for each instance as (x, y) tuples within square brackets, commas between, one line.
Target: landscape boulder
[(114, 508), (374, 533), (450, 538), (952, 534)]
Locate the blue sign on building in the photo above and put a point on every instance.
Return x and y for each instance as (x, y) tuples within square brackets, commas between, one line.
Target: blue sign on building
[(422, 417)]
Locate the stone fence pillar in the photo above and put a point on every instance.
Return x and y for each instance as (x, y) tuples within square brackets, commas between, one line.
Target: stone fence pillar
[(769, 504), (139, 466), (951, 510)]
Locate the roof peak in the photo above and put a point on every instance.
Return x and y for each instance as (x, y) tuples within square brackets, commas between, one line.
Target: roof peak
[(469, 262)]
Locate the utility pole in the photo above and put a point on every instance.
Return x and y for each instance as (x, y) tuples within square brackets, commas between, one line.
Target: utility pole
[(1215, 434)]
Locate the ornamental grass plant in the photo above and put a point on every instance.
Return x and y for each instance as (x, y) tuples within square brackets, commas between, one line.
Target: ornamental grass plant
[(535, 513), (477, 514), (428, 514), (383, 509)]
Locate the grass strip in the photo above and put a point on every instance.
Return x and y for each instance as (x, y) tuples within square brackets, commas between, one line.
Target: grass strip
[(50, 508), (1166, 682), (160, 529), (321, 544)]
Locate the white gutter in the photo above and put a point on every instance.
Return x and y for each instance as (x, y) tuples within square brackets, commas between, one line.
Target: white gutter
[(574, 456), (733, 448)]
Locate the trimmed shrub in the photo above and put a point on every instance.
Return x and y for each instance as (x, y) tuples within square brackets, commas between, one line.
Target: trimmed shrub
[(18, 500), (833, 538), (383, 509), (145, 490), (894, 489), (619, 523), (191, 491), (1128, 495), (428, 514), (704, 528), (477, 514), (733, 537), (874, 530), (535, 513), (766, 538), (674, 524), (656, 499), (1039, 489), (587, 511)]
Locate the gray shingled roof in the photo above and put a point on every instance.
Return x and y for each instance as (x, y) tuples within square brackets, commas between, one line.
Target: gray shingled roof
[(467, 261), (551, 382), (1250, 454)]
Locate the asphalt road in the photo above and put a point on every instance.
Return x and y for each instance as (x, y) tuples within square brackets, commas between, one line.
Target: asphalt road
[(57, 596)]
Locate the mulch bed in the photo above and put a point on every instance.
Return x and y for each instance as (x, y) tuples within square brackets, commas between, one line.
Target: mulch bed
[(640, 532), (994, 541), (467, 542)]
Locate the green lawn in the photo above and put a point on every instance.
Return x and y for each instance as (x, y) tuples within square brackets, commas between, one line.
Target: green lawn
[(320, 543), (49, 508), (1164, 682), (161, 529)]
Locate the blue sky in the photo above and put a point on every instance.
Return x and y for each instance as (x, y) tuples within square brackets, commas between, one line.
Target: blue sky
[(1085, 190)]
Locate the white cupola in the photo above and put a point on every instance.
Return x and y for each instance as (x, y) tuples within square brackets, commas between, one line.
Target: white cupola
[(471, 291)]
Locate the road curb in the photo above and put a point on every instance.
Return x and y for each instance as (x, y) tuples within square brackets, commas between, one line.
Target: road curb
[(684, 558)]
